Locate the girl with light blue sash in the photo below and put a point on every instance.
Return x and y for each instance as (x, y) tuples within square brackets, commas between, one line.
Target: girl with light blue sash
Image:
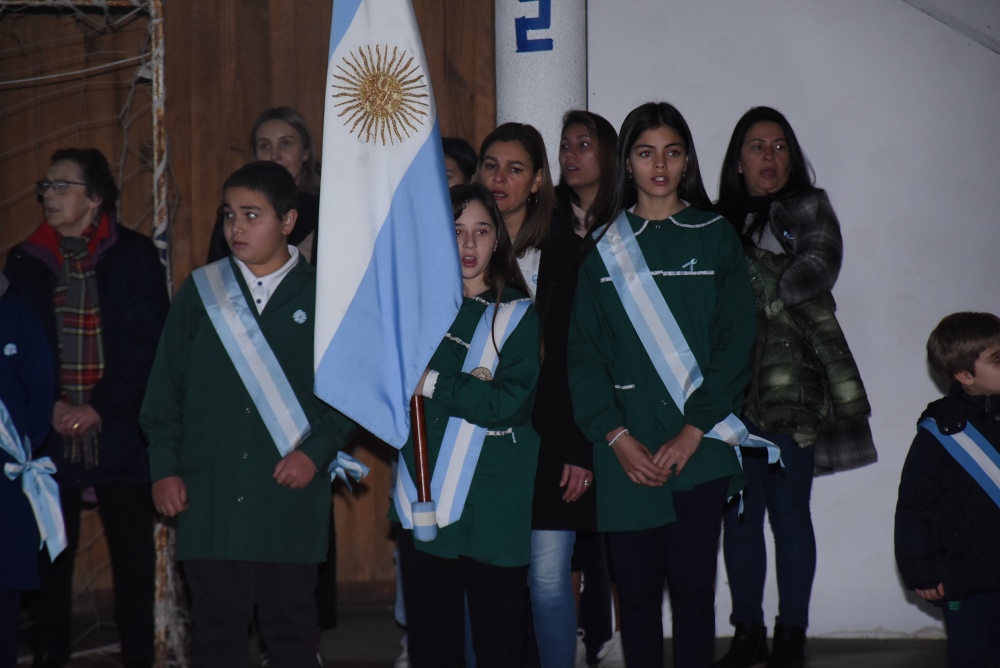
[(659, 352), (479, 389)]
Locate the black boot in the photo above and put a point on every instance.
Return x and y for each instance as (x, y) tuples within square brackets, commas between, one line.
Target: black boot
[(749, 647), (789, 647)]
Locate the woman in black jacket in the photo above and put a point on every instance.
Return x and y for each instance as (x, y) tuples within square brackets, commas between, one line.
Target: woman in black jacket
[(563, 504), (100, 292)]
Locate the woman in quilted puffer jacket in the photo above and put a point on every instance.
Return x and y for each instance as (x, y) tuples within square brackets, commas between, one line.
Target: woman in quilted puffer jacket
[(805, 394)]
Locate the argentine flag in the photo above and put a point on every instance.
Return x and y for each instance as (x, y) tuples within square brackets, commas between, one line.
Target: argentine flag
[(389, 280)]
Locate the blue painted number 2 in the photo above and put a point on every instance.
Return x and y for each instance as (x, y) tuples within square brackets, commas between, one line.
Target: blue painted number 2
[(541, 22)]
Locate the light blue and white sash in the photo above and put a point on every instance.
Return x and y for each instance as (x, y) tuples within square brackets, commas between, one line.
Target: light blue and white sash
[(659, 332), (462, 442), (252, 355), (37, 483), (971, 449)]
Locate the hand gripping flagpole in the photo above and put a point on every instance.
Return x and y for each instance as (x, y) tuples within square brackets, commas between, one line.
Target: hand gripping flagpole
[(423, 509)]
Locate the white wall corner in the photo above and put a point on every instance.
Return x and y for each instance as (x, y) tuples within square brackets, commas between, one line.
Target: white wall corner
[(979, 20)]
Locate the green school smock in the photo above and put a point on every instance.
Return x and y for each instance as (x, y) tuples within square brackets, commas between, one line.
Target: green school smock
[(203, 426), (613, 382), (495, 526)]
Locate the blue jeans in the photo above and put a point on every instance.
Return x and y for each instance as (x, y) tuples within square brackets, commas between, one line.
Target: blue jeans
[(783, 493), (553, 608)]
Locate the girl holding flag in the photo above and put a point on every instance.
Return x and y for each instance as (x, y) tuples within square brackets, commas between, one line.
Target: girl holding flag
[(659, 352), (479, 389)]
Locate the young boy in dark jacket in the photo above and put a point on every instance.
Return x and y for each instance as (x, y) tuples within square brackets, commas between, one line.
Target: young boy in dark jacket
[(948, 514)]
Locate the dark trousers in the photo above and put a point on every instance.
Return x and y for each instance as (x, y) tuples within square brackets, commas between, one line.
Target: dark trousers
[(326, 585), (10, 609), (223, 597), (973, 631), (591, 558), (684, 554), (126, 511), (783, 493), (435, 589)]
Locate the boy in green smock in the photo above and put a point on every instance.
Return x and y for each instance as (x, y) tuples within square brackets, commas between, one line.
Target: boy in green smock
[(239, 446)]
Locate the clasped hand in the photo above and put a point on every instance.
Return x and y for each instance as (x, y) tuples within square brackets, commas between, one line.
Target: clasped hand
[(654, 470)]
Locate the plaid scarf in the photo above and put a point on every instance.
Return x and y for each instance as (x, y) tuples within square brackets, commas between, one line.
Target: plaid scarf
[(78, 321)]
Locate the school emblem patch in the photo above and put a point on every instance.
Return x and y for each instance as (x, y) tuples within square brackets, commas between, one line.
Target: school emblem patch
[(10, 349), (299, 316)]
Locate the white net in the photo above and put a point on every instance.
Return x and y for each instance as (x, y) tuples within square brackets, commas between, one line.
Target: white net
[(72, 74)]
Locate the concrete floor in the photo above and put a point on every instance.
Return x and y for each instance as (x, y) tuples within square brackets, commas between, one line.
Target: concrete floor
[(367, 637)]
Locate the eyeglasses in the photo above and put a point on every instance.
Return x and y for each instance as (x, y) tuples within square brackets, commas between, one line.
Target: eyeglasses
[(58, 187)]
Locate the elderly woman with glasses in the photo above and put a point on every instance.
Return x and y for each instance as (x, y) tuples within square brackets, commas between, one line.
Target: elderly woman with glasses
[(99, 290)]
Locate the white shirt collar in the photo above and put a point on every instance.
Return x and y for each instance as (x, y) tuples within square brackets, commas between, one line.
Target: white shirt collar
[(262, 287)]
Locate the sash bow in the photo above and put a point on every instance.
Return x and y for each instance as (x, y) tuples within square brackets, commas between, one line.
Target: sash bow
[(37, 483)]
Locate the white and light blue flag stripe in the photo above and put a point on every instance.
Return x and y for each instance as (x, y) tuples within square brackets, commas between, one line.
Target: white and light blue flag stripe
[(251, 354), (659, 332), (463, 441), (971, 449), (389, 281), (37, 483)]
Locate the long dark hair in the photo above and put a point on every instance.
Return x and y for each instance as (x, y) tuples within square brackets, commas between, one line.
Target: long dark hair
[(650, 116), (732, 186), (538, 215), (606, 139), (502, 270), (463, 154), (310, 168)]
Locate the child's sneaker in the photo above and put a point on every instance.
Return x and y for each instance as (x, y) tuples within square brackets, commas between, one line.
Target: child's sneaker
[(403, 660), (611, 655), (581, 650)]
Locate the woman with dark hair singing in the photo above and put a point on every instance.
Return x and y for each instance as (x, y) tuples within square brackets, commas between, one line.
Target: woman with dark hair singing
[(564, 502)]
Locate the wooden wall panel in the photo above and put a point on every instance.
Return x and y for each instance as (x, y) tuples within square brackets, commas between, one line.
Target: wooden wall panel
[(458, 41), (37, 117)]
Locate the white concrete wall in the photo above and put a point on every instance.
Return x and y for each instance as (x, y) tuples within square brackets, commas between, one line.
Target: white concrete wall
[(900, 116), (541, 72)]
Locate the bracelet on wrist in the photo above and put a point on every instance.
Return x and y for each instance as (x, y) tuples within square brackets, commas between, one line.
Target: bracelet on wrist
[(617, 436)]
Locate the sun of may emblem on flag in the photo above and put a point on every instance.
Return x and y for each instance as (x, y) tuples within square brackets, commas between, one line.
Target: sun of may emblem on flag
[(382, 95)]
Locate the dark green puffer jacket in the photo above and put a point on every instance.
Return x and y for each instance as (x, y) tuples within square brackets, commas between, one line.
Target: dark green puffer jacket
[(804, 370)]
